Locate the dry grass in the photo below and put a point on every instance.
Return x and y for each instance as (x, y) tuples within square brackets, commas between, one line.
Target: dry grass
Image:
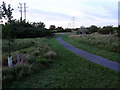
[(50, 55), (75, 36), (24, 57), (100, 40)]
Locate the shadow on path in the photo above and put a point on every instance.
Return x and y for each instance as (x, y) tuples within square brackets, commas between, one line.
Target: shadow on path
[(94, 58)]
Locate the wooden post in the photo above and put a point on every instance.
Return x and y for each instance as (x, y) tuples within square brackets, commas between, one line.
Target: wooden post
[(18, 58)]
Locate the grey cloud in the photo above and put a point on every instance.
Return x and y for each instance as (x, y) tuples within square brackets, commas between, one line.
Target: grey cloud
[(50, 15)]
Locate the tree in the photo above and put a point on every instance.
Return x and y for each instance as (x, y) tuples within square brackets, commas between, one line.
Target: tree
[(106, 30), (7, 14), (93, 28), (39, 24), (52, 27), (60, 29)]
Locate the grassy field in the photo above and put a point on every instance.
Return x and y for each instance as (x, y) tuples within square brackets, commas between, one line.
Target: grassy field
[(101, 45), (66, 71)]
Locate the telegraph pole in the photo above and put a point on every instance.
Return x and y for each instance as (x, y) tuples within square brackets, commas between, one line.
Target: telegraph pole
[(73, 21), (20, 11), (25, 10)]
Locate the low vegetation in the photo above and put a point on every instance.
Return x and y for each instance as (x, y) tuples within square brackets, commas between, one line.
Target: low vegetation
[(103, 45), (35, 54), (102, 41), (69, 71)]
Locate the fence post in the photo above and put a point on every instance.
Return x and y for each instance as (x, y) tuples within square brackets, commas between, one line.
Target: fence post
[(10, 61), (18, 58)]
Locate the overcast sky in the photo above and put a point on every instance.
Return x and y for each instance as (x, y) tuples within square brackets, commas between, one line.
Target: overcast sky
[(60, 12)]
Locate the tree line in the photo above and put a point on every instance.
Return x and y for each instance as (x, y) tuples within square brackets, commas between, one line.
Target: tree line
[(89, 30), (22, 29)]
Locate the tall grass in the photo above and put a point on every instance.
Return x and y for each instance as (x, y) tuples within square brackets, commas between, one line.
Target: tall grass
[(109, 42), (31, 51), (101, 45)]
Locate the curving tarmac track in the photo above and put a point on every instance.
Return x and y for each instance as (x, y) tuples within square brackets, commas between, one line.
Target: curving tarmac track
[(91, 57)]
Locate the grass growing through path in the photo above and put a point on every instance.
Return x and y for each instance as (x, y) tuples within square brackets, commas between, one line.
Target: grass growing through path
[(70, 71), (85, 44)]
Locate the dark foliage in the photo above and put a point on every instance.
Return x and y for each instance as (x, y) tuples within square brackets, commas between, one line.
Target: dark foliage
[(106, 30), (21, 29), (118, 31), (52, 27), (93, 29)]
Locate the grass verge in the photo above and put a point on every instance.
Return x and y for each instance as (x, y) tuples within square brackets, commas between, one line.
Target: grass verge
[(70, 71)]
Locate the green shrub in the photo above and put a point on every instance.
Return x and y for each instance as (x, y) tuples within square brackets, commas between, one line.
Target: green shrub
[(106, 30)]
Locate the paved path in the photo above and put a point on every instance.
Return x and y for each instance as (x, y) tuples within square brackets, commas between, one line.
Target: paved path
[(96, 59)]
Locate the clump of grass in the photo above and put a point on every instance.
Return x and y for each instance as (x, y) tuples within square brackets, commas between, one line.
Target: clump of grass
[(16, 73), (43, 50), (50, 55)]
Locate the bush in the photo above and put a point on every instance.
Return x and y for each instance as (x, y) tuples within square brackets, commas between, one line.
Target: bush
[(93, 29), (106, 30)]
